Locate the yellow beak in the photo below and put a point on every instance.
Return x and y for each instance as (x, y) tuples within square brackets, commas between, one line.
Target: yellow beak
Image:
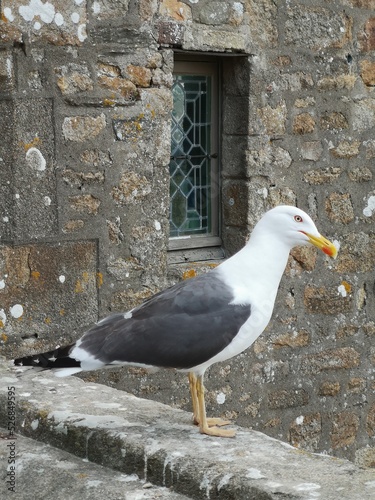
[(323, 244)]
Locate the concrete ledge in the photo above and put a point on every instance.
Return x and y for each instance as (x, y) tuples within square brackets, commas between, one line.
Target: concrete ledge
[(160, 445)]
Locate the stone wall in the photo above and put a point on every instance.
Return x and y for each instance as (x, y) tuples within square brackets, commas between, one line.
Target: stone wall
[(85, 102)]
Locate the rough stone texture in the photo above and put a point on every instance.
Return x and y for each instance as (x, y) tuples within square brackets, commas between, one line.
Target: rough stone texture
[(143, 441), (60, 475), (85, 104)]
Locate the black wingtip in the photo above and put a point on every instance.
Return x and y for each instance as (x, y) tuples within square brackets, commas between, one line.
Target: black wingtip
[(58, 358)]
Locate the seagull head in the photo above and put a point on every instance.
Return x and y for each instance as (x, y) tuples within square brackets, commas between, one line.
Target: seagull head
[(294, 227)]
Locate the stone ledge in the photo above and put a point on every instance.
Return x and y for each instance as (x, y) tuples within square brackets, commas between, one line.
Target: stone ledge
[(160, 445), (61, 475)]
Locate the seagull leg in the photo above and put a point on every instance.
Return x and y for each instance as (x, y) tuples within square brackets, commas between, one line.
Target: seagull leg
[(194, 399), (204, 427)]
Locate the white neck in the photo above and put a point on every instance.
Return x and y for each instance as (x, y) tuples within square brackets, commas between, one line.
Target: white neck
[(261, 261)]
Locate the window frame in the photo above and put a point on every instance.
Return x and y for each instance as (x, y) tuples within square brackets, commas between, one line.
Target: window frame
[(207, 66)]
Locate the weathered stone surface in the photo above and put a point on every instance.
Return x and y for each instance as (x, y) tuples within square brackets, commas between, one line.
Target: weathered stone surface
[(364, 115), (86, 203), (59, 22), (344, 429), (83, 128), (326, 300), (368, 73), (319, 28), (329, 388), (273, 119), (303, 123), (357, 253), (346, 149), (132, 189), (160, 445), (341, 358), (73, 78), (339, 208), (48, 292), (305, 431), (323, 176), (288, 398), (334, 121), (311, 150), (367, 36)]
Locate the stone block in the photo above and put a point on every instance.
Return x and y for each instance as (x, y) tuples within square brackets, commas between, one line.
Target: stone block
[(274, 119), (73, 78), (85, 204), (326, 300), (59, 23), (132, 188), (109, 9), (293, 340), (363, 115), (368, 73), (174, 9), (317, 28), (342, 358), (287, 398), (346, 149), (339, 82), (322, 176), (344, 429), (311, 150), (83, 128), (34, 209), (339, 208), (303, 123), (367, 36), (328, 388), (357, 253), (305, 431), (334, 121), (235, 202), (360, 174), (50, 291)]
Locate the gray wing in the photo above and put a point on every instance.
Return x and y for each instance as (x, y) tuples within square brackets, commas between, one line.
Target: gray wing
[(180, 327)]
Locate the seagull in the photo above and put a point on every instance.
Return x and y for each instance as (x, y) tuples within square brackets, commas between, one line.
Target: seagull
[(199, 321)]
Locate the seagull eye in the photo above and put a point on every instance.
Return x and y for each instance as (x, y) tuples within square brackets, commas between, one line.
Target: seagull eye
[(298, 218)]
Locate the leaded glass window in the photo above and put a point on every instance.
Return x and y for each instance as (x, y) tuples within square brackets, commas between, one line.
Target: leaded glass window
[(193, 163)]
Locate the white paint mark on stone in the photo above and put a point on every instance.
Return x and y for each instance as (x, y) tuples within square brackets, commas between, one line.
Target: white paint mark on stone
[(342, 290), (370, 209), (300, 419), (307, 487), (3, 316), (16, 311), (220, 398), (62, 278), (75, 17), (8, 14), (157, 225), (81, 33), (59, 19), (37, 26), (45, 11), (2, 284), (47, 201), (224, 481), (34, 424), (93, 483), (35, 159), (253, 473), (128, 315), (96, 7), (17, 196), (6, 219), (9, 67)]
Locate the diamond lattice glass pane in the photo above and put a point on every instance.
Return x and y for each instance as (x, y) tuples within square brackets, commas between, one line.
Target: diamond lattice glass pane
[(190, 211)]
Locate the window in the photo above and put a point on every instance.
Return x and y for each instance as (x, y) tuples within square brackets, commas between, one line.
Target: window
[(194, 163)]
